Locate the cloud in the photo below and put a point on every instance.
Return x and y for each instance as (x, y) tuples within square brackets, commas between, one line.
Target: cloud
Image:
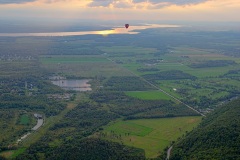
[(177, 2), (14, 1), (115, 3), (202, 10), (142, 3), (103, 3)]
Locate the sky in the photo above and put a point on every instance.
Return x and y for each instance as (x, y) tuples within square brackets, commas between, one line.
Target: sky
[(144, 10)]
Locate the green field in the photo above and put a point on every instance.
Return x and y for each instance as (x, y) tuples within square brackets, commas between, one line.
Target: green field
[(11, 154), (152, 135), (130, 127), (148, 95), (24, 119)]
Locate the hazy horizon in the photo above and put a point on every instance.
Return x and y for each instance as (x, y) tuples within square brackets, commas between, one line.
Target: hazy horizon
[(28, 26), (77, 15), (120, 10)]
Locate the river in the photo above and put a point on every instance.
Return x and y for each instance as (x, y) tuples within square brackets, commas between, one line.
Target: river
[(115, 30)]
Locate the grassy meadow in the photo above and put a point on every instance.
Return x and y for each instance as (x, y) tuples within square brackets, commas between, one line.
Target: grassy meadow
[(152, 135), (24, 119)]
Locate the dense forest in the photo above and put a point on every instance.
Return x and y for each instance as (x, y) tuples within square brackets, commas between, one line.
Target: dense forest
[(168, 75), (133, 108), (91, 149), (213, 63), (217, 137), (126, 84), (71, 133)]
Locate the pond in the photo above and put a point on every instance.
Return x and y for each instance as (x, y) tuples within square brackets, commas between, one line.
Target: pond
[(75, 85)]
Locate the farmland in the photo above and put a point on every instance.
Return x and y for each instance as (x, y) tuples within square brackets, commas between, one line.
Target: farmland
[(81, 66), (126, 104), (181, 59)]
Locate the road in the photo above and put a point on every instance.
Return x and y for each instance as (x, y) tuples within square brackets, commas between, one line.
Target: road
[(169, 152), (36, 127)]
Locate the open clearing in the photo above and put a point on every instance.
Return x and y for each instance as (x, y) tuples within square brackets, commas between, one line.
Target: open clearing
[(24, 119), (152, 135)]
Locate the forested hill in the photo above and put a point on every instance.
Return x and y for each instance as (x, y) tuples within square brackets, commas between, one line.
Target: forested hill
[(217, 137)]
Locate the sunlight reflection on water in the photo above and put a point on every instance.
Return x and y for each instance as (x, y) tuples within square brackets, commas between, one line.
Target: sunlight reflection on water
[(117, 30), (76, 85)]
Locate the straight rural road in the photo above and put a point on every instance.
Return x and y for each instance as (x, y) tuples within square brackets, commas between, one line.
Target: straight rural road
[(156, 87)]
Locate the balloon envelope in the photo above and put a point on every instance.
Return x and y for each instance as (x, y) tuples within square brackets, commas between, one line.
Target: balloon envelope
[(126, 25)]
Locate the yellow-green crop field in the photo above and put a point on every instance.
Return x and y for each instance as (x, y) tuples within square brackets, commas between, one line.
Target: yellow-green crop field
[(152, 135)]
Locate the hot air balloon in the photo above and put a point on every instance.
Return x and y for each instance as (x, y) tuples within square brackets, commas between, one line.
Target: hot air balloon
[(126, 26)]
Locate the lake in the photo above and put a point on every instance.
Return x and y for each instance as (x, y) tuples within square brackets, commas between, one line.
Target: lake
[(75, 85), (115, 30)]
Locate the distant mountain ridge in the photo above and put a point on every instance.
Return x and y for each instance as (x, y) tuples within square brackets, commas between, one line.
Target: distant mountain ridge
[(217, 137)]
